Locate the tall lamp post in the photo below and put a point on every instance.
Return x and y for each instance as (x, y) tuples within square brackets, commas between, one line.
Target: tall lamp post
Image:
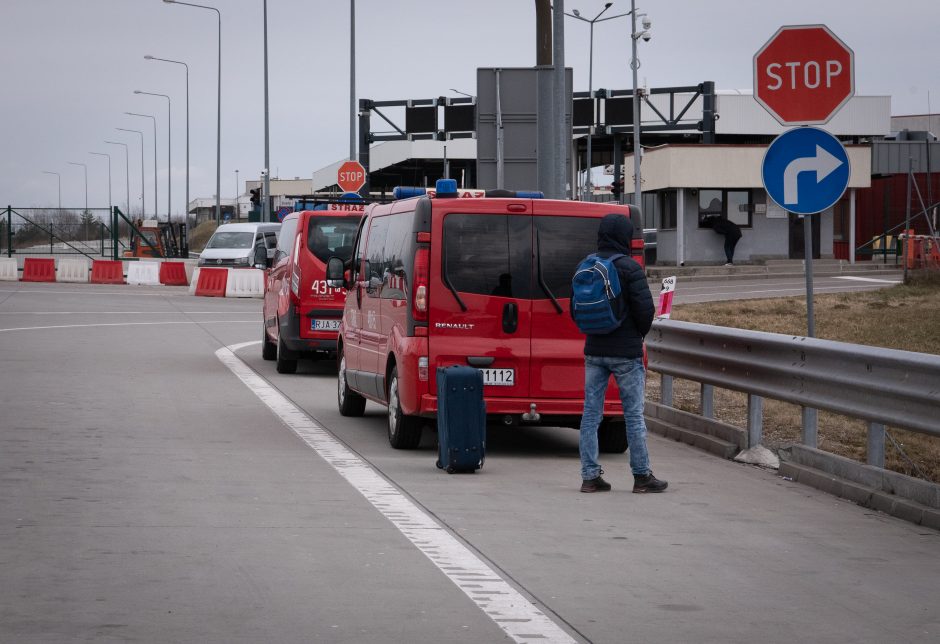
[(218, 121), (237, 210), (59, 178), (156, 210), (635, 65), (85, 167), (588, 183), (169, 151), (105, 154), (127, 177), (179, 62), (266, 203), (143, 190)]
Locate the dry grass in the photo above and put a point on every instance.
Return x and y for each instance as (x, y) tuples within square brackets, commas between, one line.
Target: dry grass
[(902, 317), (199, 236)]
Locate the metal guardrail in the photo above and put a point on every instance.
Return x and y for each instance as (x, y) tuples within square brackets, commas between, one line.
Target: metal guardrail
[(881, 386)]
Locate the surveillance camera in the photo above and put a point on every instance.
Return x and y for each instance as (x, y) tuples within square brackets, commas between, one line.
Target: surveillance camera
[(647, 23), (646, 36)]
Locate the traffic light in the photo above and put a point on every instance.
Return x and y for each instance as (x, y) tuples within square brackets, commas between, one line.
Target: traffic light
[(616, 188), (255, 196)]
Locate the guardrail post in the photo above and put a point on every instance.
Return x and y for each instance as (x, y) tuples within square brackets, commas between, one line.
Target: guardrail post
[(114, 233), (876, 444), (707, 401), (665, 393), (809, 427), (755, 420)]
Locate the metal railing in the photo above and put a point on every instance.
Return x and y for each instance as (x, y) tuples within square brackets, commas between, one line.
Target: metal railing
[(884, 387), (53, 231)]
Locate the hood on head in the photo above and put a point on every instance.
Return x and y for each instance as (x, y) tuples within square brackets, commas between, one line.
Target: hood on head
[(615, 233)]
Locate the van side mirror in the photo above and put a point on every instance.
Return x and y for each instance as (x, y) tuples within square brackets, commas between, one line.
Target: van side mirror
[(260, 257), (334, 273)]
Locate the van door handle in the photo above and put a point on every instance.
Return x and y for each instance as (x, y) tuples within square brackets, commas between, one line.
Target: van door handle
[(510, 317), (480, 361)]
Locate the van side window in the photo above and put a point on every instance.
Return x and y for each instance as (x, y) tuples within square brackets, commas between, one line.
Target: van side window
[(375, 251), (489, 254), (561, 243), (399, 245), (285, 239)]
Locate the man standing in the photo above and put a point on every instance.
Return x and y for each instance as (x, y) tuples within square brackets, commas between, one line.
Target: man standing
[(619, 353), (732, 233)]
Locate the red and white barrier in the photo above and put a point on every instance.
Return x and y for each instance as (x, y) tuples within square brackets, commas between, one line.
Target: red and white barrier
[(9, 272), (38, 269), (72, 269), (107, 271)]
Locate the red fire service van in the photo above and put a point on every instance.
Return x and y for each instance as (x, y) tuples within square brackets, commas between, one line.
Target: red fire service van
[(485, 282), (301, 313)]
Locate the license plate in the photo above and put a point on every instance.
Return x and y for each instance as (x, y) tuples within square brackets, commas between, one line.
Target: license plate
[(499, 377), (324, 325)]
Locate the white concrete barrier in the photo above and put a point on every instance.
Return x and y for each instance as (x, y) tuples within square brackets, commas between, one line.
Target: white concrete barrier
[(8, 272), (143, 273), (72, 269), (193, 281), (245, 282)]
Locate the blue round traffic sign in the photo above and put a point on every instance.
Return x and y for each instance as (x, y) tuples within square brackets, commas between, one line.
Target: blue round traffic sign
[(805, 170)]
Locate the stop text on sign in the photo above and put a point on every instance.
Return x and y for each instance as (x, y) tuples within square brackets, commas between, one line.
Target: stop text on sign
[(810, 77)]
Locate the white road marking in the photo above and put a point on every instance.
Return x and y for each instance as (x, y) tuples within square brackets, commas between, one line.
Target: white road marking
[(97, 292), (120, 312), (519, 618), (866, 279), (79, 326)]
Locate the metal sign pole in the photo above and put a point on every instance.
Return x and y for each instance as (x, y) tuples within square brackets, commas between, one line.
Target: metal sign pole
[(808, 263)]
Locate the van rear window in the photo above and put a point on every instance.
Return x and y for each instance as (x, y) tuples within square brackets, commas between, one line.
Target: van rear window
[(562, 242), (489, 254), (332, 236)]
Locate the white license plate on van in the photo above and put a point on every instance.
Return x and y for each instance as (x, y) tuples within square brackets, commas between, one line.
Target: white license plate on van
[(499, 377), (324, 325)]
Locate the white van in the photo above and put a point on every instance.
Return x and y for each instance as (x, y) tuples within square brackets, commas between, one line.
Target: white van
[(233, 245)]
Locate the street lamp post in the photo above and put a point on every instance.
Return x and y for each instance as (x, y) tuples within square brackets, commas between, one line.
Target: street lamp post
[(105, 154), (59, 178), (237, 210), (179, 62), (169, 151), (156, 210), (127, 178), (86, 182), (218, 124), (143, 190), (266, 203), (635, 65), (588, 182)]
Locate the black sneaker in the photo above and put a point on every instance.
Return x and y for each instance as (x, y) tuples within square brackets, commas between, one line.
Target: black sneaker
[(595, 485), (648, 483)]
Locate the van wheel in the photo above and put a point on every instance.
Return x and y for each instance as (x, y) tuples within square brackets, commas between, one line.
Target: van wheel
[(284, 364), (612, 437), (268, 348), (404, 432), (350, 403)]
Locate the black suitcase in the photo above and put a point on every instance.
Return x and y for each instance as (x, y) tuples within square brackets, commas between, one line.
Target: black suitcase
[(461, 419)]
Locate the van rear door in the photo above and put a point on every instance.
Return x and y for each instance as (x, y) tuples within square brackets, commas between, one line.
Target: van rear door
[(325, 235), (480, 291)]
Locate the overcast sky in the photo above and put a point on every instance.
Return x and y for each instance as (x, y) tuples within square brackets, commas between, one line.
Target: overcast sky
[(69, 69)]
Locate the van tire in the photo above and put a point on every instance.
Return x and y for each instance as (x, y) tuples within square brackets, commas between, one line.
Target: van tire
[(268, 348), (349, 402), (284, 364), (404, 432), (612, 437)]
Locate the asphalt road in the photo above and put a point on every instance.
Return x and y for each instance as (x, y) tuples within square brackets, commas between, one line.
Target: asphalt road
[(156, 486)]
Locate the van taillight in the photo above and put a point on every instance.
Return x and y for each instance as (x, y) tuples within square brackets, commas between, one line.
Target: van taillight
[(295, 270), (419, 293)]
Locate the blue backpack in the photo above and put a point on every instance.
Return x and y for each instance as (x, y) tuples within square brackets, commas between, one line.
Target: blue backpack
[(595, 291)]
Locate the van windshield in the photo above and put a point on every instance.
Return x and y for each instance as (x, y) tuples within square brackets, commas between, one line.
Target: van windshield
[(231, 240), (332, 236)]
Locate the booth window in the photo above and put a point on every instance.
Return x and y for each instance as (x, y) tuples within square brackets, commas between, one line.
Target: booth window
[(736, 205), (667, 209)]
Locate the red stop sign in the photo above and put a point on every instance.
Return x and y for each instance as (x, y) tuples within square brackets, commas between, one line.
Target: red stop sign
[(804, 74), (351, 176)]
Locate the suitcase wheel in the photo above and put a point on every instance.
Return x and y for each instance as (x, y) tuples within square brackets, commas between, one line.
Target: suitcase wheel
[(439, 466)]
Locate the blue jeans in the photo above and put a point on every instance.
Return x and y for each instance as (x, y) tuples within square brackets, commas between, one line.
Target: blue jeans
[(631, 380)]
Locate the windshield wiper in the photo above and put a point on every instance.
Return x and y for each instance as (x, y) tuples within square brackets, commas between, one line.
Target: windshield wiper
[(446, 278), (548, 291)]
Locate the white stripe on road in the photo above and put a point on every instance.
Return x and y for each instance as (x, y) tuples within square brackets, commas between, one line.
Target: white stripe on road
[(79, 326), (517, 616), (866, 279)]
